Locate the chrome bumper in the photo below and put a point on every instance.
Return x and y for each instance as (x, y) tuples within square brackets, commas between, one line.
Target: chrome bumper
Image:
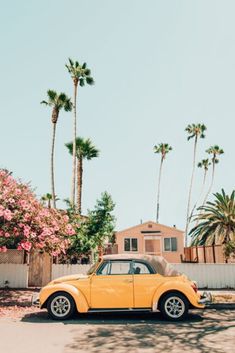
[(35, 299), (206, 298)]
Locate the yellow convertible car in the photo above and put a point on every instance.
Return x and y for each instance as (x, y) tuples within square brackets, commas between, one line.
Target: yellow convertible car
[(123, 283)]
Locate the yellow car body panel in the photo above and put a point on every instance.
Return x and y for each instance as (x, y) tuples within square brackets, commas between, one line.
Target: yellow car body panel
[(130, 291), (81, 298), (112, 292), (176, 285)]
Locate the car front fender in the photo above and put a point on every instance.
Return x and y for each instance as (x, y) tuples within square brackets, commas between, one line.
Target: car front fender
[(176, 286), (79, 298)]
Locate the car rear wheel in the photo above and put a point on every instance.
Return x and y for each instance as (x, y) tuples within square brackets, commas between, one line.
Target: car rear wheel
[(174, 306), (61, 306)]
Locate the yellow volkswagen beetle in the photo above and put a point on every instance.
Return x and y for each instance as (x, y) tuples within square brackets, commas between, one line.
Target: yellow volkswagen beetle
[(123, 283)]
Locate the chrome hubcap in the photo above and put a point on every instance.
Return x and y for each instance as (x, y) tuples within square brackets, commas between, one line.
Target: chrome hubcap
[(174, 307), (60, 306)]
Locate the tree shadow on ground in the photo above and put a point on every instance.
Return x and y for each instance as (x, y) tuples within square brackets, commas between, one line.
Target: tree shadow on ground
[(208, 332)]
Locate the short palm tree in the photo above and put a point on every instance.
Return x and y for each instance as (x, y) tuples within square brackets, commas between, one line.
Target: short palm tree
[(215, 151), (163, 149), (195, 131), (80, 75), (84, 150), (216, 221), (47, 198), (57, 102)]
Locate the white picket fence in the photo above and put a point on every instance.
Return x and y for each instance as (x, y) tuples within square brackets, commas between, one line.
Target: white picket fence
[(13, 275), (213, 276), (64, 270)]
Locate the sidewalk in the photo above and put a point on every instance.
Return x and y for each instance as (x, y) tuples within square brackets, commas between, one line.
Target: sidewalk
[(222, 299)]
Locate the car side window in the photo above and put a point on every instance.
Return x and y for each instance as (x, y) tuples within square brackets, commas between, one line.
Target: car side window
[(140, 268), (120, 268)]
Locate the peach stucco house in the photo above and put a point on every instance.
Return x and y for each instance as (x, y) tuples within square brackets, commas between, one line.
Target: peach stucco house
[(152, 238)]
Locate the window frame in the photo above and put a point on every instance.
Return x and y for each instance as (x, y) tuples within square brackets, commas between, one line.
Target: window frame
[(131, 248), (170, 238), (132, 265)]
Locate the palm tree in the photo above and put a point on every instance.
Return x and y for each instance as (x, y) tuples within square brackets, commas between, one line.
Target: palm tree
[(216, 221), (215, 151), (205, 163), (84, 150), (80, 75), (57, 102), (163, 149), (47, 198), (195, 131)]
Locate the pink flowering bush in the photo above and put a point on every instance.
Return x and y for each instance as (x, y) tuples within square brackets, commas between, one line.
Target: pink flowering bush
[(26, 224)]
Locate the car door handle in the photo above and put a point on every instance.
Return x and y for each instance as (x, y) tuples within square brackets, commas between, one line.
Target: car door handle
[(127, 280)]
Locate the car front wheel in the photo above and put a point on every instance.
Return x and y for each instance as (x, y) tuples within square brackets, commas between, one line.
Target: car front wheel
[(174, 306), (61, 306)]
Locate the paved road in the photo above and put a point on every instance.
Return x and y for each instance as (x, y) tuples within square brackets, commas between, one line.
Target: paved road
[(205, 332)]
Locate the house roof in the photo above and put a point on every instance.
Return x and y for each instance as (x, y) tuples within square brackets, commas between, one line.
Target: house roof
[(143, 225)]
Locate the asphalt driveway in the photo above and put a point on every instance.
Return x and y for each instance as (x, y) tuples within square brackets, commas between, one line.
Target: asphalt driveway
[(208, 331)]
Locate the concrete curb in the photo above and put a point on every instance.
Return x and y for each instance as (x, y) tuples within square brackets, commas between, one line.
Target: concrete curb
[(221, 306)]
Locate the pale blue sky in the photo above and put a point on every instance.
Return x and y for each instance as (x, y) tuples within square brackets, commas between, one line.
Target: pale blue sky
[(158, 66)]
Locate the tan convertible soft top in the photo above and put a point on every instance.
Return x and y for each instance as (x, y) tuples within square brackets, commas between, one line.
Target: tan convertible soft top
[(159, 264)]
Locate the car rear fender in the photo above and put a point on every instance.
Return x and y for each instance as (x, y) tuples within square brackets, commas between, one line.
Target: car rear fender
[(79, 298), (175, 286)]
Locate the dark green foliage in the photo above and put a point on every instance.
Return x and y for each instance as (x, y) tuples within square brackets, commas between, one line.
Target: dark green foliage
[(196, 130), (216, 222), (84, 148), (79, 73), (95, 228), (229, 249), (59, 101)]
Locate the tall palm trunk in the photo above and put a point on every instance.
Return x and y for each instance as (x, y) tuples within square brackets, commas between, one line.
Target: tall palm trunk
[(74, 142), (52, 165), (158, 192), (200, 195), (190, 191), (79, 184), (212, 182)]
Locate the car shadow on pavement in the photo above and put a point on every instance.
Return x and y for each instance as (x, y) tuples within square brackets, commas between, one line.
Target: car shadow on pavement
[(106, 318)]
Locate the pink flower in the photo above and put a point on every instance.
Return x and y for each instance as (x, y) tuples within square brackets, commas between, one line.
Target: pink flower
[(18, 191), (11, 201), (3, 249), (66, 218), (7, 235), (26, 245), (8, 215), (27, 217), (70, 230)]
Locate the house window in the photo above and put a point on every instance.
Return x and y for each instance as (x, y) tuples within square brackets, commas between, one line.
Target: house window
[(130, 244), (170, 244)]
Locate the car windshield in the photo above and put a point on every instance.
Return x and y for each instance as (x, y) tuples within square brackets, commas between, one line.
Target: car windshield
[(92, 269)]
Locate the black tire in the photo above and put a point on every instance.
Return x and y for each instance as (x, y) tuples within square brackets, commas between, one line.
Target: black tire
[(60, 306), (174, 306)]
